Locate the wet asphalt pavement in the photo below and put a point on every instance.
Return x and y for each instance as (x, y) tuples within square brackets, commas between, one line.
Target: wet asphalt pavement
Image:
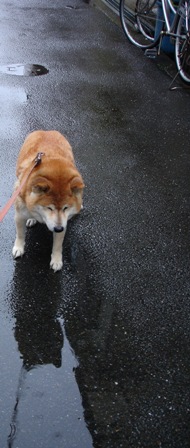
[(97, 355)]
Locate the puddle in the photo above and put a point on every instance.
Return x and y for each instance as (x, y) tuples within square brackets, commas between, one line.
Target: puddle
[(24, 70)]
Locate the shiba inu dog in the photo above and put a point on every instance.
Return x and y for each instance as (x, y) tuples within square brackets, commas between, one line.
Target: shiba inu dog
[(52, 193)]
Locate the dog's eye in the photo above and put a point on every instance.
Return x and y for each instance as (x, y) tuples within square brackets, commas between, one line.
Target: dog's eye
[(65, 208), (50, 208)]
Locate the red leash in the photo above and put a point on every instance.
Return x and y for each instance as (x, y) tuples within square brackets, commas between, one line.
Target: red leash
[(11, 201)]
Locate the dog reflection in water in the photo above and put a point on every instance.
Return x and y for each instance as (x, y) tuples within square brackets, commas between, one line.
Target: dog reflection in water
[(39, 336), (39, 343)]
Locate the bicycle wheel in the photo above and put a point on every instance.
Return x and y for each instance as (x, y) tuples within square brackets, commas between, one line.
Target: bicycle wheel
[(147, 9), (182, 45), (139, 21)]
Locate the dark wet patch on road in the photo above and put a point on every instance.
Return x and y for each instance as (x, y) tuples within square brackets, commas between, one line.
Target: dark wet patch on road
[(23, 70)]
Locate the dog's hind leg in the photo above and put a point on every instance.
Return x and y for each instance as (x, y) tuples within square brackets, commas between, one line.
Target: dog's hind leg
[(56, 256), (18, 248)]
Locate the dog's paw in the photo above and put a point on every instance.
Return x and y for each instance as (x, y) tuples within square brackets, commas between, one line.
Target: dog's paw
[(31, 222), (18, 251), (56, 264)]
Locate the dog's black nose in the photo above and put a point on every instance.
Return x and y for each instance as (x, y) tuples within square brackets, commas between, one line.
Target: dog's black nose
[(58, 229)]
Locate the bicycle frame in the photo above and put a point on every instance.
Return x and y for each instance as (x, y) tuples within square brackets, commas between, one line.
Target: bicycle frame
[(171, 28), (182, 38)]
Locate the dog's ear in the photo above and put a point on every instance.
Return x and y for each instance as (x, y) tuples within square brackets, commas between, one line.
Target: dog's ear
[(76, 184), (40, 188)]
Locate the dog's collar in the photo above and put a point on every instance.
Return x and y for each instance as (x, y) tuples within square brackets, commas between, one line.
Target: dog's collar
[(38, 159)]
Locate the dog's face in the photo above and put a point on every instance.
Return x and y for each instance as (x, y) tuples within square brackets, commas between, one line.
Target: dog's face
[(54, 197)]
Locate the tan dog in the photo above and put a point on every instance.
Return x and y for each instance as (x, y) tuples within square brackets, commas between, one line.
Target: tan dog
[(52, 193)]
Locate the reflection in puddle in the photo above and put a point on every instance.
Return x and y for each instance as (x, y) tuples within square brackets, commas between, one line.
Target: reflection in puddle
[(11, 100), (47, 408), (11, 97), (24, 70)]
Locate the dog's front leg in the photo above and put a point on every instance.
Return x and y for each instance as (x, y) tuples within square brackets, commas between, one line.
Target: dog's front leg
[(18, 248), (56, 256)]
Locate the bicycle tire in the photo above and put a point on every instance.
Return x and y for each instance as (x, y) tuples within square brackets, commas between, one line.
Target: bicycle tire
[(139, 20), (182, 47)]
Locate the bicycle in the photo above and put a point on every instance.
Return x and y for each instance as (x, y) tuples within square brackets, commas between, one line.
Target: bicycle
[(147, 22)]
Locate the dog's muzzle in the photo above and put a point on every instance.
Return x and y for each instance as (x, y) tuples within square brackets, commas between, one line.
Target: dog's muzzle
[(58, 229)]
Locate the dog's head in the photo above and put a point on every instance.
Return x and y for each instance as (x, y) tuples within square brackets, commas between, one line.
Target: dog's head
[(54, 194)]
